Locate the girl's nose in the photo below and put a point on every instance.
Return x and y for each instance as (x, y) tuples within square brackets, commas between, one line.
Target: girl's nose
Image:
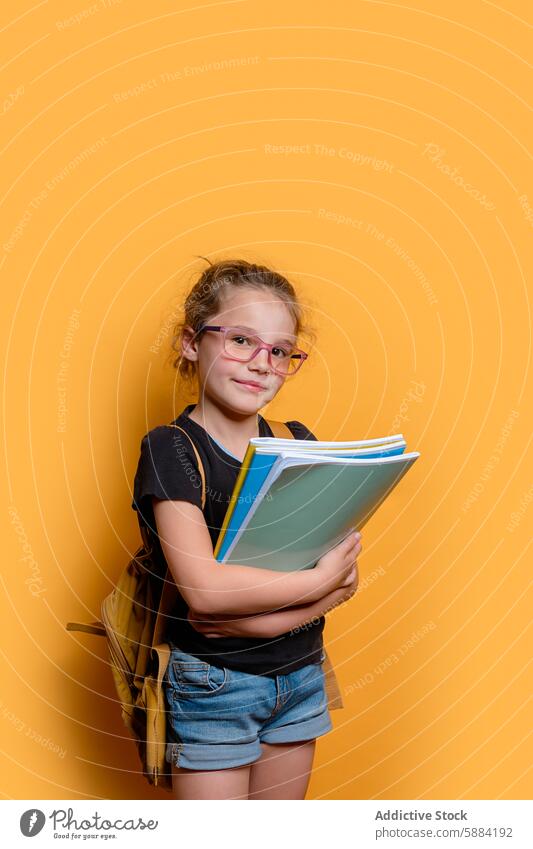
[(260, 359)]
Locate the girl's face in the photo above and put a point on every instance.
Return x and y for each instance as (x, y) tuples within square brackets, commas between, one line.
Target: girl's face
[(223, 380)]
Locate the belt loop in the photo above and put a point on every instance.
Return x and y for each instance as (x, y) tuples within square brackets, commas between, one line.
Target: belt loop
[(278, 694)]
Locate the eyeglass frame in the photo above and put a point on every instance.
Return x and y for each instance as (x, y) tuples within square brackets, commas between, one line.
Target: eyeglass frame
[(297, 353)]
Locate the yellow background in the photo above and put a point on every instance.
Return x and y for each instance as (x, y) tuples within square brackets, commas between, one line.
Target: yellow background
[(405, 222)]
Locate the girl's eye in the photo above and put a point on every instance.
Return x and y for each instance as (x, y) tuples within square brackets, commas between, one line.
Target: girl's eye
[(242, 341)]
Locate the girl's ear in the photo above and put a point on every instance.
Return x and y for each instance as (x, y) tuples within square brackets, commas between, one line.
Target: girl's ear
[(189, 345)]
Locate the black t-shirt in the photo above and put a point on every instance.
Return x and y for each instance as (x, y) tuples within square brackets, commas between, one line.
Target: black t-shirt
[(168, 469)]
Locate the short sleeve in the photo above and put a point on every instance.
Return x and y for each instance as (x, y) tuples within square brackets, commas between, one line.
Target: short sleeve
[(300, 431), (167, 469)]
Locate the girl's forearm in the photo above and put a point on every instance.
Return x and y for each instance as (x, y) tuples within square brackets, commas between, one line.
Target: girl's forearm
[(293, 617), (243, 590), (268, 624)]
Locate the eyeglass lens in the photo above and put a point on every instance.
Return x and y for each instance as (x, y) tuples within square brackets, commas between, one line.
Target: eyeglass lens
[(241, 346)]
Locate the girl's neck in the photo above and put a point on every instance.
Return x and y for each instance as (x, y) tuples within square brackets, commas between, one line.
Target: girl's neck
[(232, 430)]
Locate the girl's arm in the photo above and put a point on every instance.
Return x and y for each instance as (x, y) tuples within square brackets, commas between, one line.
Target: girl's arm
[(210, 587), (273, 624)]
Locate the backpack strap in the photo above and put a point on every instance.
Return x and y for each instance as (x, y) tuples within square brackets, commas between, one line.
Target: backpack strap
[(198, 460), (279, 429), (95, 627)]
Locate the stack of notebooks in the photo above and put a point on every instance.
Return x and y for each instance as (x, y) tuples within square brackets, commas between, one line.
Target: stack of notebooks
[(295, 499)]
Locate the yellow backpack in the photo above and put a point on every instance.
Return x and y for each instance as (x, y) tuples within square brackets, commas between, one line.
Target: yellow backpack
[(133, 621)]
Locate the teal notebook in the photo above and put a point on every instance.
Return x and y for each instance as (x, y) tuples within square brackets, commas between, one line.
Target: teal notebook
[(306, 503)]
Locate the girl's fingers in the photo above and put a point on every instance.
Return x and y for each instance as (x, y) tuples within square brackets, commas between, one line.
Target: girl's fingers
[(353, 553), (350, 567), (351, 539)]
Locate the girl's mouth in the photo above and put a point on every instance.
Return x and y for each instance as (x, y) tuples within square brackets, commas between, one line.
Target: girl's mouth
[(253, 387)]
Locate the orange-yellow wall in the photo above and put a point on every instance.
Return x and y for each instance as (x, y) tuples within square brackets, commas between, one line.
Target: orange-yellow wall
[(108, 196)]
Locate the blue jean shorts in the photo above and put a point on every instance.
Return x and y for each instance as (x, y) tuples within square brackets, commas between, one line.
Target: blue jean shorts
[(218, 717)]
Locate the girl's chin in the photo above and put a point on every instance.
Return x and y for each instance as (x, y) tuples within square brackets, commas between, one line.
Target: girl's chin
[(246, 399)]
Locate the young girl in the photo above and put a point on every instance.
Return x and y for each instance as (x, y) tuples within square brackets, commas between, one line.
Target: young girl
[(244, 687)]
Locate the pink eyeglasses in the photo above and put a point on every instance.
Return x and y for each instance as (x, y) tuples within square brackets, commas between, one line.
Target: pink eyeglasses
[(243, 346)]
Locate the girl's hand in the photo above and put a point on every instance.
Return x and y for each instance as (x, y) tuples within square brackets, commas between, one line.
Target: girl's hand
[(352, 579), (337, 565)]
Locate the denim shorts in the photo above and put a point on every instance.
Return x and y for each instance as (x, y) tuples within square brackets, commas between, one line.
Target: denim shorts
[(217, 717)]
